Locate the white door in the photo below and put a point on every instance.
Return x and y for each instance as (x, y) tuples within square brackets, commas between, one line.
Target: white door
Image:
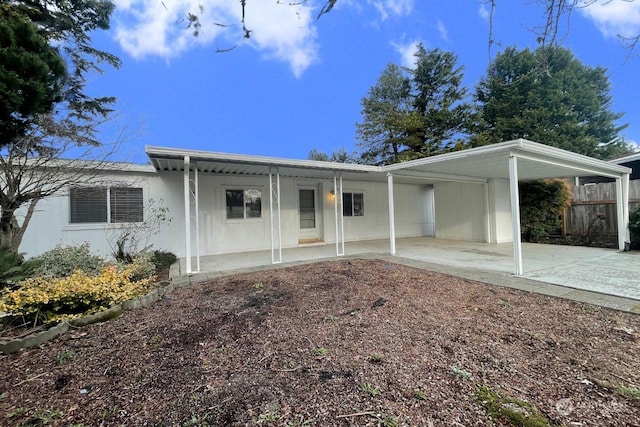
[(308, 214), (428, 211)]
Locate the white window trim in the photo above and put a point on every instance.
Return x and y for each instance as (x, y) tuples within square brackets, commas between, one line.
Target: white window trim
[(108, 224), (364, 204), (245, 220)]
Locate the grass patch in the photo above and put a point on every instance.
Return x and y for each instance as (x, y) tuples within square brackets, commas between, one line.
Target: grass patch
[(369, 390), (630, 391), (515, 411)]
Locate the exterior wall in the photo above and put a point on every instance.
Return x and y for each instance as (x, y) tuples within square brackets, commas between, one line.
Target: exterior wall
[(460, 211), (219, 235), (500, 211), (50, 224), (460, 214)]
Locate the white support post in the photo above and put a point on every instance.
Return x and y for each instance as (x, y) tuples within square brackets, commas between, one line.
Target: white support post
[(274, 210), (392, 220), (622, 210), (487, 215), (625, 202), (187, 214), (196, 196), (515, 214), (338, 210)]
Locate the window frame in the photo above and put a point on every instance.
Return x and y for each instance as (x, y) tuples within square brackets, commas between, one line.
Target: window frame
[(107, 206), (352, 209), (245, 218)]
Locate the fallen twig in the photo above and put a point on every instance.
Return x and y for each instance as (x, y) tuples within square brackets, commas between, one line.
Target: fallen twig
[(357, 414), (30, 379)]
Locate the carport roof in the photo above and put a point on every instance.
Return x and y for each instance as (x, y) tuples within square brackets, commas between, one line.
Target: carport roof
[(535, 161)]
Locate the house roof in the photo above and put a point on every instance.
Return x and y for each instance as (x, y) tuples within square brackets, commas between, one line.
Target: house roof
[(626, 159), (535, 161)]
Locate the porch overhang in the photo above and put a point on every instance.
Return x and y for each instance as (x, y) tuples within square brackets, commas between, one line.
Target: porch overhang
[(518, 160)]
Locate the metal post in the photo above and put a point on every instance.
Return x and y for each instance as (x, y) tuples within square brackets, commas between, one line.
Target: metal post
[(196, 196), (187, 214), (392, 220), (274, 211), (339, 213), (515, 214)]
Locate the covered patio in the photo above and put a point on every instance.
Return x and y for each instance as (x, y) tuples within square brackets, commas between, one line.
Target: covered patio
[(475, 194), (605, 271)]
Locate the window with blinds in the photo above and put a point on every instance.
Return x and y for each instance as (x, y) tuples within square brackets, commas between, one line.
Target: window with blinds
[(126, 204), (89, 205)]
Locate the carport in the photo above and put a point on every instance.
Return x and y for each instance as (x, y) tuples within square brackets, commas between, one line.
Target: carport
[(518, 160)]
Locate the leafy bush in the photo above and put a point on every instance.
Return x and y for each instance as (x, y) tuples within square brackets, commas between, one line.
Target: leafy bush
[(634, 227), (62, 261), (13, 268), (40, 300), (163, 259), (141, 267), (542, 203)]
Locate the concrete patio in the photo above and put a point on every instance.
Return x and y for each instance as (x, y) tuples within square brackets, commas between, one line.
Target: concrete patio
[(603, 271)]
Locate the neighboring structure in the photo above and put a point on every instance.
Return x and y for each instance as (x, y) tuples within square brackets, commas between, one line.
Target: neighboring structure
[(631, 161), (226, 203)]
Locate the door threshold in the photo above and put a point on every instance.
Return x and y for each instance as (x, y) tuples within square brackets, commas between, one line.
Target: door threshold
[(310, 242)]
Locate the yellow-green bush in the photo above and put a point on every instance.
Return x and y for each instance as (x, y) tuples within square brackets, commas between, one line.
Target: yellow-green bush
[(38, 300)]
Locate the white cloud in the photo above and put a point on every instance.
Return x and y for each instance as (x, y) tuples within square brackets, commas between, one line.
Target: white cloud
[(407, 52), (484, 12), (387, 8), (151, 28), (444, 35), (615, 17)]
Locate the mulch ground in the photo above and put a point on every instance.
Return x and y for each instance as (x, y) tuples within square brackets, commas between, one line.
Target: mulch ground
[(344, 343)]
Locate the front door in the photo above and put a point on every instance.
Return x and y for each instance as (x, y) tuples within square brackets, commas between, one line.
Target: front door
[(308, 214)]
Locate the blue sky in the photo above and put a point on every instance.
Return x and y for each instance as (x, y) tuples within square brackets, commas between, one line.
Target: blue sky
[(297, 83)]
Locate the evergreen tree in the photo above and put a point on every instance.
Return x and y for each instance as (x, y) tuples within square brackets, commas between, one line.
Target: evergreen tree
[(389, 120), (548, 96), (438, 98)]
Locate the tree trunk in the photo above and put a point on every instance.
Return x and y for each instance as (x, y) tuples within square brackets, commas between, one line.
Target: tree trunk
[(11, 233)]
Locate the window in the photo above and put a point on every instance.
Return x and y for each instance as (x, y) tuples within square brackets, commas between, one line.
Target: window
[(106, 205), (126, 204), (88, 205), (352, 204), (243, 204)]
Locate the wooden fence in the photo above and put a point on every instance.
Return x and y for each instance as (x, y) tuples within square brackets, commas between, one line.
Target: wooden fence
[(593, 209)]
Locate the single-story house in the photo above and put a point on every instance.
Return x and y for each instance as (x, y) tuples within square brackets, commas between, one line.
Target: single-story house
[(223, 203)]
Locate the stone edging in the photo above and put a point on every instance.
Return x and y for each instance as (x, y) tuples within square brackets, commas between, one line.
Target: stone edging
[(13, 346)]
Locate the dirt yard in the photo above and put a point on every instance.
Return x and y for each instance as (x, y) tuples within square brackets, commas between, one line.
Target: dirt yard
[(345, 343)]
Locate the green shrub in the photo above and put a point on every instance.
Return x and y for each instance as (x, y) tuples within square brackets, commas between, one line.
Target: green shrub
[(39, 300), (163, 259), (62, 261), (542, 204), (634, 227), (13, 268), (142, 266)]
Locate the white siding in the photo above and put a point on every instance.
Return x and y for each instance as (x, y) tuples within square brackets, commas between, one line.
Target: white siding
[(500, 208), (459, 214), (460, 211)]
